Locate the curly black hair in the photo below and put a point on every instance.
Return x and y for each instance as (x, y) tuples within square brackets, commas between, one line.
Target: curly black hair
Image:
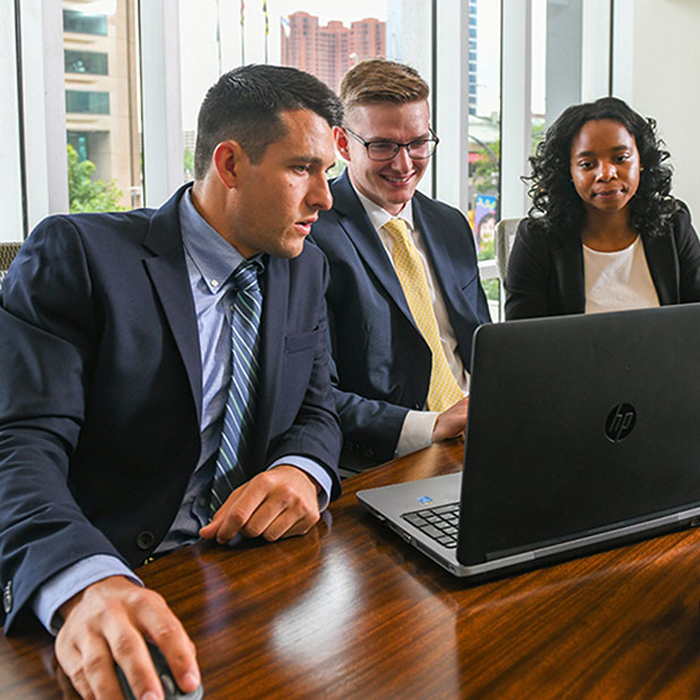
[(556, 205)]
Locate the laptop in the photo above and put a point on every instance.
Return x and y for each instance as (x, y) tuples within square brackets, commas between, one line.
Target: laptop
[(583, 434)]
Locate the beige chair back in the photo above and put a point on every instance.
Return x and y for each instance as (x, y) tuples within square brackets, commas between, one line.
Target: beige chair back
[(505, 235)]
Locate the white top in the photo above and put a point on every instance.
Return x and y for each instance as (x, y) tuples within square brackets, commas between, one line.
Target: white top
[(618, 280), (417, 429)]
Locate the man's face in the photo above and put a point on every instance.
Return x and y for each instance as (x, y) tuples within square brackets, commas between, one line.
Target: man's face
[(279, 198), (390, 184)]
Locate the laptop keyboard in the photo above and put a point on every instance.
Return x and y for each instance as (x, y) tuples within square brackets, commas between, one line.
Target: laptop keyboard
[(439, 523)]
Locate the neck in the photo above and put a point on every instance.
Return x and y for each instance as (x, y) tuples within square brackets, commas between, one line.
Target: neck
[(608, 232), (212, 206)]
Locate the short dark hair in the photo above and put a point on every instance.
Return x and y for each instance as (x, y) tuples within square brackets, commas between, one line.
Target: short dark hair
[(553, 193), (245, 105)]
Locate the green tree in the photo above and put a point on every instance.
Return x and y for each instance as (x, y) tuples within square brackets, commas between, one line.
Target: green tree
[(188, 163), (84, 194), (487, 168)]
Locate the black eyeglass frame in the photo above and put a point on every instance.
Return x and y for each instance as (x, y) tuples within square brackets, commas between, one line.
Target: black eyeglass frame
[(434, 140)]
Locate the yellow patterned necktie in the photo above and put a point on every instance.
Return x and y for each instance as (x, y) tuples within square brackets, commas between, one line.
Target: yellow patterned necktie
[(444, 390)]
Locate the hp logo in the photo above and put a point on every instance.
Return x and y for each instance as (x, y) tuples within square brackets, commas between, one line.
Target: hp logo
[(620, 422)]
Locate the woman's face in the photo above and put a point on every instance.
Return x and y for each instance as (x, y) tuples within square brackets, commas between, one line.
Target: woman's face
[(605, 165)]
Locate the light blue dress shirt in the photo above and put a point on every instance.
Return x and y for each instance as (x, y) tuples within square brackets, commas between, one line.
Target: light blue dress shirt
[(210, 263)]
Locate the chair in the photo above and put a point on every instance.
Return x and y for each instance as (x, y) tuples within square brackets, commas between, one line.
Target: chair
[(8, 251), (505, 235)]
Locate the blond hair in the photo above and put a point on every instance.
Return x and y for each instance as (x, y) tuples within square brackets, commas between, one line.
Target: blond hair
[(380, 80)]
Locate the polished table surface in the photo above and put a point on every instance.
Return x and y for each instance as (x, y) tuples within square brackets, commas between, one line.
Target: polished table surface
[(350, 611)]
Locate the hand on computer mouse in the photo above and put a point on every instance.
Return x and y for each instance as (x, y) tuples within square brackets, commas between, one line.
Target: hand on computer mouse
[(170, 689)]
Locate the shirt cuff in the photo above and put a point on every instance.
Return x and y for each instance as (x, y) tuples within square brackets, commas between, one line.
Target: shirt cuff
[(416, 432), (315, 471), (62, 586)]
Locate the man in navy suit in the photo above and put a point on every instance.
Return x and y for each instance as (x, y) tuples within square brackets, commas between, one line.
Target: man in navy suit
[(116, 353), (387, 364)]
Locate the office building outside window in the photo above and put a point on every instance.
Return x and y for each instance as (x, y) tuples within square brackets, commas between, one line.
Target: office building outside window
[(102, 122), (322, 38)]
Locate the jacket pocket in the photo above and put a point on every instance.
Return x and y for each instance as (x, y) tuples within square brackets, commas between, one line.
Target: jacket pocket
[(301, 341)]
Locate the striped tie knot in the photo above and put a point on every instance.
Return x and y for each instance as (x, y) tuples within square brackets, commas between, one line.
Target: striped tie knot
[(245, 277)]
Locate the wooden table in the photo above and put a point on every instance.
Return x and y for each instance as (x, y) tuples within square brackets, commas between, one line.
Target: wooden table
[(350, 611)]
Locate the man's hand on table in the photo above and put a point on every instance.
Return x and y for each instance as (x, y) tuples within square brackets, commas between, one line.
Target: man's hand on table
[(281, 502), (107, 623), (452, 422)]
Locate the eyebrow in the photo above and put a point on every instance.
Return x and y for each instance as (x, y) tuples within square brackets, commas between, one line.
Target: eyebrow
[(308, 160), (614, 149), (386, 139)]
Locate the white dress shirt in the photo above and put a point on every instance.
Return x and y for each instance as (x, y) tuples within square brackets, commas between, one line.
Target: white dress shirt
[(618, 280)]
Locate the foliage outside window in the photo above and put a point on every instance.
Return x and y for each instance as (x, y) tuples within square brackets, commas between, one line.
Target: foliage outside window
[(85, 194)]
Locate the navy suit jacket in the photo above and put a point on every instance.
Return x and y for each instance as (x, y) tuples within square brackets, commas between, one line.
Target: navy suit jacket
[(101, 389), (545, 270), (382, 362)]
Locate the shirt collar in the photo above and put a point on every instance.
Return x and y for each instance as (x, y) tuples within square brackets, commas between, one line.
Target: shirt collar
[(380, 216), (212, 255)]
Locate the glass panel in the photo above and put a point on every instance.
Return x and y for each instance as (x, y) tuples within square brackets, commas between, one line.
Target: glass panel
[(86, 62), (84, 22), (102, 105), (539, 62), (321, 37), (84, 102), (484, 133)]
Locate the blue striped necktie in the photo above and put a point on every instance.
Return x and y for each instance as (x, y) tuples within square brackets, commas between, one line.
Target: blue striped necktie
[(235, 451)]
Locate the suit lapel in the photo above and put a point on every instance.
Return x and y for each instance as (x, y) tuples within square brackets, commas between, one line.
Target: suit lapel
[(661, 259), (275, 286), (363, 236), (168, 274), (438, 247), (567, 259)]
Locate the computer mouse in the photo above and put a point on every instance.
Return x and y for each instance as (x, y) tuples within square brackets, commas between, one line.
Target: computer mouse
[(172, 692)]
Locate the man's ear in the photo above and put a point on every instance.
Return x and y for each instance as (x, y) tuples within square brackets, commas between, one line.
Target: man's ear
[(228, 159), (341, 142)]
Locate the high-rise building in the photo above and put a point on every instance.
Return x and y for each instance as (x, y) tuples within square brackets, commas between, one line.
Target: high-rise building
[(101, 79), (328, 51), (472, 56)]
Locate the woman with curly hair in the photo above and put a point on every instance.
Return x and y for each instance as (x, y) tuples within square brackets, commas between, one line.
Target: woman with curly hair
[(604, 232)]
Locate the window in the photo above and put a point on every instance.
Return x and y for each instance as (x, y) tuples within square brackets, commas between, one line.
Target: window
[(323, 38), (84, 102), (86, 62), (554, 54), (484, 87), (102, 106), (84, 23)]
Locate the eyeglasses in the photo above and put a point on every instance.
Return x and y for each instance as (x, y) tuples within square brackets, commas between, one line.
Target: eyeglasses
[(420, 149)]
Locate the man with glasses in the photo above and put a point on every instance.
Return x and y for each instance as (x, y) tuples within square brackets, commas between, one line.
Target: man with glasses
[(405, 296)]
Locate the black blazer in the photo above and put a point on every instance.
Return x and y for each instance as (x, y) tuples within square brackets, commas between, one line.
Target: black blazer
[(101, 389), (545, 270), (382, 362)]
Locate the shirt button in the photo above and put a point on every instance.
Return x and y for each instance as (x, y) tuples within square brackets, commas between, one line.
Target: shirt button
[(230, 306), (202, 502), (215, 283)]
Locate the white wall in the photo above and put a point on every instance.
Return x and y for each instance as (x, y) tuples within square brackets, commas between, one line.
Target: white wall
[(665, 84)]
